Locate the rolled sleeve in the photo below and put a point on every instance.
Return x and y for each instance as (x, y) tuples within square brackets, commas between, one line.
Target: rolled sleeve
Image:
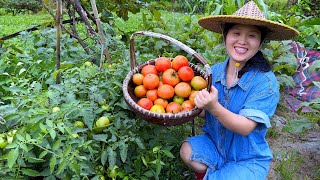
[(256, 115)]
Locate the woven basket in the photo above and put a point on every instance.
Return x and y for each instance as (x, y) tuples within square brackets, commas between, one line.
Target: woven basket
[(164, 119)]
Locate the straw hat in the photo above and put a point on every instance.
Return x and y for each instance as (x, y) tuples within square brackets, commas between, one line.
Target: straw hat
[(249, 14)]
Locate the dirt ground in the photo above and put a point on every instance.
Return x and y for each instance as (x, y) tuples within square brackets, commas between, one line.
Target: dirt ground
[(296, 155)]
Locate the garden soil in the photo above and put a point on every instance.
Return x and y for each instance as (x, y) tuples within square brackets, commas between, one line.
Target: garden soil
[(296, 155)]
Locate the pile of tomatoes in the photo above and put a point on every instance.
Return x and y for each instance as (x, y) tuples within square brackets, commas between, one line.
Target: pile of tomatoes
[(168, 86)]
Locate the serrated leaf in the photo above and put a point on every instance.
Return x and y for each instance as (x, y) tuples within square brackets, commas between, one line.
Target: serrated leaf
[(30, 172), (52, 133), (56, 145), (148, 173), (52, 164), (24, 147), (168, 154), (67, 151), (104, 157), (34, 160), (60, 126), (156, 149), (43, 154), (50, 123), (111, 157), (144, 161), (75, 168), (21, 71), (62, 166), (12, 157), (100, 137), (123, 151), (139, 143), (158, 166)]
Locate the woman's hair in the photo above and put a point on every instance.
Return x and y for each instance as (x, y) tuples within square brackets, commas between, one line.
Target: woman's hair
[(258, 61)]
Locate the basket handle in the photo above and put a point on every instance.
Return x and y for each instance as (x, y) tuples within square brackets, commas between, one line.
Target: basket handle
[(187, 49)]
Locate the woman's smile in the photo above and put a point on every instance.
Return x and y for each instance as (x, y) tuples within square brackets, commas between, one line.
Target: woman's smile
[(242, 42)]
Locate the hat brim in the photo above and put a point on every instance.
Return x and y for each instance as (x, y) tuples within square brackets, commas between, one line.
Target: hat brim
[(277, 30)]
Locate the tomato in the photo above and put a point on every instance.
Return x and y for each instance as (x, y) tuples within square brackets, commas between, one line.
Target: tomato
[(102, 122), (173, 107), (105, 107), (198, 83), (79, 124), (87, 63), (170, 76), (162, 64), (179, 61), (55, 109), (145, 103), (113, 173), (151, 81), (186, 73), (182, 89), (157, 108), (3, 141), (99, 169)]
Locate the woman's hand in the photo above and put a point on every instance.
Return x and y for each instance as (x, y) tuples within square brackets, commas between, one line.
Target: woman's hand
[(205, 100)]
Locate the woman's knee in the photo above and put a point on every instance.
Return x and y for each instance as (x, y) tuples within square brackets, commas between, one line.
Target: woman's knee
[(185, 152)]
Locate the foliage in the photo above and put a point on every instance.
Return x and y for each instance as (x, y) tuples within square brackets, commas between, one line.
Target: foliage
[(289, 165), (18, 6), (48, 144)]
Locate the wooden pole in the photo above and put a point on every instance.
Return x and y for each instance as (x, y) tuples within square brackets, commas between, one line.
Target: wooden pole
[(102, 36), (58, 46)]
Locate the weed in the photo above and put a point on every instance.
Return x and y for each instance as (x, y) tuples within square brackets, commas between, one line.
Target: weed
[(289, 164)]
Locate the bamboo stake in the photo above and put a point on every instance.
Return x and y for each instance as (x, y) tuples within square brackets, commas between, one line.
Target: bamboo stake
[(58, 47), (102, 36)]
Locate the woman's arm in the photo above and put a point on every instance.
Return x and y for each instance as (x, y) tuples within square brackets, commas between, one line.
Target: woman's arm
[(234, 122)]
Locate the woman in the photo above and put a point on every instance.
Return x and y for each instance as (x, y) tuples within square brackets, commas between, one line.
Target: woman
[(243, 98)]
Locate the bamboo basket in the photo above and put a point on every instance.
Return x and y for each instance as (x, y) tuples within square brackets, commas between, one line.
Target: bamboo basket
[(164, 119)]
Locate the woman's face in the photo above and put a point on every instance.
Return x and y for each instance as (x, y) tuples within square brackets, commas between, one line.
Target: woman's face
[(242, 42)]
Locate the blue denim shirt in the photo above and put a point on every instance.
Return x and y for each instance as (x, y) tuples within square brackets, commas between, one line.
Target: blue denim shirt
[(254, 96)]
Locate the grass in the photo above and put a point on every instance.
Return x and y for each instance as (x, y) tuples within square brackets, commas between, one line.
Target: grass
[(289, 165), (10, 24)]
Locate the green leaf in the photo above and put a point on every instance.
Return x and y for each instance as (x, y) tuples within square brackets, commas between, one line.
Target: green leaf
[(158, 166), (111, 156), (149, 173), (56, 145), (139, 143), (100, 137), (168, 154), (12, 157), (30, 172), (156, 149), (34, 160), (75, 168), (144, 161), (52, 133), (123, 151), (43, 154), (104, 157), (298, 126), (62, 166), (317, 83), (315, 66), (52, 164), (21, 71), (67, 151)]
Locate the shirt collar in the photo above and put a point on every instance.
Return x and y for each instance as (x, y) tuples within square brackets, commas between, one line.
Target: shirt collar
[(244, 82)]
